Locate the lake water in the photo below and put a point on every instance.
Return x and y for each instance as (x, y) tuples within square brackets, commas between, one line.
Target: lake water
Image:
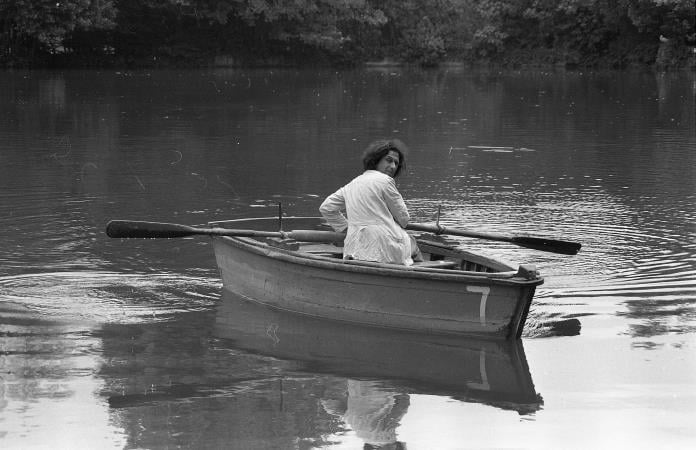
[(131, 343)]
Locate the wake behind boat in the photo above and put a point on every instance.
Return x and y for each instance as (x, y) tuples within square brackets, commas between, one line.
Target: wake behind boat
[(452, 292)]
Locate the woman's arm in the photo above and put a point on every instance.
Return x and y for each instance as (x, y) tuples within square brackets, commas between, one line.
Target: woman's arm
[(331, 209), (396, 204)]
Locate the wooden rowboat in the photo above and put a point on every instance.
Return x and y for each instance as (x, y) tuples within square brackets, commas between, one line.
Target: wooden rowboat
[(452, 292)]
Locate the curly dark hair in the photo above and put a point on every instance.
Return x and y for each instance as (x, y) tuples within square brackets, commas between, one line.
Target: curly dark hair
[(379, 148)]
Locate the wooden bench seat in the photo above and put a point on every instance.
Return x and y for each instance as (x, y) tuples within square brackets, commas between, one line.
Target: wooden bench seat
[(327, 250), (439, 264), (333, 251)]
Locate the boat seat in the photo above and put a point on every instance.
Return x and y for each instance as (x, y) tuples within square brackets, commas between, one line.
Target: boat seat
[(327, 254), (439, 264), (327, 250)]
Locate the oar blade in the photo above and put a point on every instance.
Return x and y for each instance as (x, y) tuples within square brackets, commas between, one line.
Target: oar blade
[(536, 243), (147, 230), (547, 245)]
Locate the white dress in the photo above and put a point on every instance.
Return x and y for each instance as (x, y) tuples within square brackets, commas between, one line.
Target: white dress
[(376, 217)]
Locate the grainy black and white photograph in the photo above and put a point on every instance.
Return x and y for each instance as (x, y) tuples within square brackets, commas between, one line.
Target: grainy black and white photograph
[(347, 224)]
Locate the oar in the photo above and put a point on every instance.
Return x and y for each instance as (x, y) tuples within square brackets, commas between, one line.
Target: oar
[(138, 229), (543, 244)]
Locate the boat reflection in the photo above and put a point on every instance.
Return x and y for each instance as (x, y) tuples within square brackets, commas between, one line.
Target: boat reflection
[(488, 372), (246, 376)]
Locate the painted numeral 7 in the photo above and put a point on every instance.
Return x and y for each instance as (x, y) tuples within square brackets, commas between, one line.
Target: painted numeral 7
[(484, 291)]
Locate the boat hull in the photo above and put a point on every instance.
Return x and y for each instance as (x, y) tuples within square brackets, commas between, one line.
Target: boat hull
[(427, 301)]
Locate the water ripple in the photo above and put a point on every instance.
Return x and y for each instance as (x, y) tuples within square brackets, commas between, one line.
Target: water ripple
[(640, 267), (110, 297)]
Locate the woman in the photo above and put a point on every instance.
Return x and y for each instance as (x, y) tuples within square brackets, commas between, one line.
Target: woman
[(376, 212)]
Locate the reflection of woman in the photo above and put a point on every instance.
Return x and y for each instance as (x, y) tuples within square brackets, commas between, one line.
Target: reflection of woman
[(376, 212), (372, 412)]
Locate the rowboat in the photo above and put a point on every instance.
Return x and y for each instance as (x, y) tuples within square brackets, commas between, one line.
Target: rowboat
[(485, 371), (451, 292)]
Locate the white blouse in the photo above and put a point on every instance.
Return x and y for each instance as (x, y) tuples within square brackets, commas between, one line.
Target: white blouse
[(376, 215)]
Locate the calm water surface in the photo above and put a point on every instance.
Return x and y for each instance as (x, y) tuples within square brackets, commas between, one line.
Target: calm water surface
[(130, 344)]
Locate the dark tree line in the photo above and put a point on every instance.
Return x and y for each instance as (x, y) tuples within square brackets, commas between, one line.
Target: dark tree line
[(200, 32)]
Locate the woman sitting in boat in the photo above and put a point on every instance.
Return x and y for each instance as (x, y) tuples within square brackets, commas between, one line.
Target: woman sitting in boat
[(376, 212)]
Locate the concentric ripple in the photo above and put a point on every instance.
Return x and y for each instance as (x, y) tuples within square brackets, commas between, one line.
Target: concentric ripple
[(637, 265), (110, 297)]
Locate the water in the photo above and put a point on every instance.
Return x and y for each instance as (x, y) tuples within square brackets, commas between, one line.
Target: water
[(129, 344)]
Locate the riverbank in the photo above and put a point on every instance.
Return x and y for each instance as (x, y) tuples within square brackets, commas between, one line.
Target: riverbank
[(664, 56)]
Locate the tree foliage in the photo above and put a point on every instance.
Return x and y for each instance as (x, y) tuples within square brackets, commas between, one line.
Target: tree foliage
[(420, 31), (29, 26)]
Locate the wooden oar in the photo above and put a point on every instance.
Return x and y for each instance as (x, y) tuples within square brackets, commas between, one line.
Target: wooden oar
[(138, 229), (543, 244), (151, 230)]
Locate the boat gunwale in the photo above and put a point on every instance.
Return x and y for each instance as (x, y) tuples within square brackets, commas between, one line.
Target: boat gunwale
[(375, 268)]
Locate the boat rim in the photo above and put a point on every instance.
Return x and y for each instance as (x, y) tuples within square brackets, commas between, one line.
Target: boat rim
[(512, 276)]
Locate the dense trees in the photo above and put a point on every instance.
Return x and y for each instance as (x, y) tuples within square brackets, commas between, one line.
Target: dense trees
[(584, 32), (30, 27)]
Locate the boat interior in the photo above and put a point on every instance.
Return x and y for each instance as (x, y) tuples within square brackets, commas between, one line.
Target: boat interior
[(433, 256), (437, 251)]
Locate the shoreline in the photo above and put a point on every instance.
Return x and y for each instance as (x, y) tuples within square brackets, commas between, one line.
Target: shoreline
[(456, 65), (685, 59)]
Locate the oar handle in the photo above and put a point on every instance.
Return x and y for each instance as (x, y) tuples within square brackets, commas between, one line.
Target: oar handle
[(159, 230)]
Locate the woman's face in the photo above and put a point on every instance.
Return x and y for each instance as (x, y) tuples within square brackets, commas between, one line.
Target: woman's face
[(389, 163)]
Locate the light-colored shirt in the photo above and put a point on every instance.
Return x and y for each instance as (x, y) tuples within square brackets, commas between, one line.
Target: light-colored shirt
[(376, 214)]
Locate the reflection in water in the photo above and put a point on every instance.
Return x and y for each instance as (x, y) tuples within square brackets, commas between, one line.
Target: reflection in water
[(372, 412), (51, 345), (47, 385), (489, 372), (123, 333), (260, 378), (152, 361), (174, 383)]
